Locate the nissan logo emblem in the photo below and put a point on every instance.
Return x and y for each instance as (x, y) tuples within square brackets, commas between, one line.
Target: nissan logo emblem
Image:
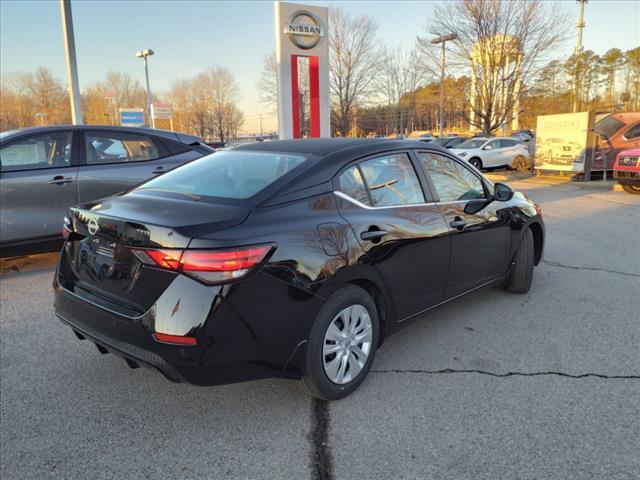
[(304, 30), (92, 226)]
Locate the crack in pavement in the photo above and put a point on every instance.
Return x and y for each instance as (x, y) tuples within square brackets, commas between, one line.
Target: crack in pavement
[(321, 467), (511, 374), (594, 269)]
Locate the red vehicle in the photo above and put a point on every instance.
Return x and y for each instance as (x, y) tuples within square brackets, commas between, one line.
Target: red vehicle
[(626, 170), (616, 132)]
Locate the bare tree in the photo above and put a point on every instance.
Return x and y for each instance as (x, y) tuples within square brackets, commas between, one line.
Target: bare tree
[(207, 104), (225, 93), (129, 94), (612, 61), (509, 42), (354, 63), (398, 81)]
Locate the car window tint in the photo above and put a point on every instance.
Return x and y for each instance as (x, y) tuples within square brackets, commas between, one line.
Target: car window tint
[(452, 180), (226, 174), (633, 132), (351, 183), (119, 147), (392, 181), (504, 143), (494, 144), (51, 150)]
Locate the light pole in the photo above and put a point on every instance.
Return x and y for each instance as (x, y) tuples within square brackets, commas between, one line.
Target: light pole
[(144, 54), (72, 67), (443, 39)]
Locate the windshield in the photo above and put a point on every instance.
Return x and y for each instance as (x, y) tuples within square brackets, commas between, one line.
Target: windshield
[(473, 143), (227, 174), (608, 126)]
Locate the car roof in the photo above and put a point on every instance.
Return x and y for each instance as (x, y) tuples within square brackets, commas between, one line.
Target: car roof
[(181, 137), (324, 146), (326, 157)]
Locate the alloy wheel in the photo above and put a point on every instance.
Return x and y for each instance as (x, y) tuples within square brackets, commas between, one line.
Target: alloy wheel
[(347, 344)]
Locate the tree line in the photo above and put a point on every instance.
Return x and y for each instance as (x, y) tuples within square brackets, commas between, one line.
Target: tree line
[(205, 105)]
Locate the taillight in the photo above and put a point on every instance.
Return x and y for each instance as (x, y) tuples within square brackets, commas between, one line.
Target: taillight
[(162, 258), (66, 228), (208, 266), (174, 339)]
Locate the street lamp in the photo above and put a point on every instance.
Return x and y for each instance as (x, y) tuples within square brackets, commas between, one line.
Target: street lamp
[(443, 39), (144, 54)]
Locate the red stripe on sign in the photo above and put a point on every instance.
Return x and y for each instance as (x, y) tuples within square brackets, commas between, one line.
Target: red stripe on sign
[(314, 94)]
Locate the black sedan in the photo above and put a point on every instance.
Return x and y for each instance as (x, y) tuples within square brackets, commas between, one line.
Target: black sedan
[(292, 258)]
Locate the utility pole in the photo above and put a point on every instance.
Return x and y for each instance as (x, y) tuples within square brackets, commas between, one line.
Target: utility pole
[(581, 24), (443, 40), (72, 67)]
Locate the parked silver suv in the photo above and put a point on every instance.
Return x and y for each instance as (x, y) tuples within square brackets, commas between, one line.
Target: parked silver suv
[(45, 170)]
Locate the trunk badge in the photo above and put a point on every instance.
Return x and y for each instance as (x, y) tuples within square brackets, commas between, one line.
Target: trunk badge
[(92, 226)]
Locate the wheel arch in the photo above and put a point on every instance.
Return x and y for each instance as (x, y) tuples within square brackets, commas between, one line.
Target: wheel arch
[(538, 241), (369, 279)]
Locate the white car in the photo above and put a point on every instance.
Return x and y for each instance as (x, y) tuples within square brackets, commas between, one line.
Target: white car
[(491, 152)]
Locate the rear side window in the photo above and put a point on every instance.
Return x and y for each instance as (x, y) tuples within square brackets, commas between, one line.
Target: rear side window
[(175, 148), (118, 147), (391, 180), (351, 183), (453, 181), (228, 174), (50, 150)]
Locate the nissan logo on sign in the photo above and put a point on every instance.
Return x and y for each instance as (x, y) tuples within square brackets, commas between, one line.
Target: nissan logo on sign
[(92, 226), (304, 30)]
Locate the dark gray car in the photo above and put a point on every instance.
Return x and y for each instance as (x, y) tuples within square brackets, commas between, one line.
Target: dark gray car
[(45, 170)]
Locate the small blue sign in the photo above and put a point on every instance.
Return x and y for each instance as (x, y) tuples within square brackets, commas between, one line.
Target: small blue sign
[(132, 117)]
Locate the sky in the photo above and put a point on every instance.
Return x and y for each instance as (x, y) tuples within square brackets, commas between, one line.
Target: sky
[(190, 36)]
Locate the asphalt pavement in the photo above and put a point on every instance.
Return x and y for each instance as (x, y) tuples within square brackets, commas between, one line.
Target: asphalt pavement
[(491, 386)]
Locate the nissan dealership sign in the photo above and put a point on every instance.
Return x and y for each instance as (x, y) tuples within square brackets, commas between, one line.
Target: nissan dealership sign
[(302, 36)]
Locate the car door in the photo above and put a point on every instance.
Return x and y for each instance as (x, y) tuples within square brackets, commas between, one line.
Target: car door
[(115, 161), (479, 230), (512, 149), (402, 232), (38, 183), (492, 154)]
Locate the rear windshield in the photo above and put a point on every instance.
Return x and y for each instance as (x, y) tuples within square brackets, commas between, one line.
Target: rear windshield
[(227, 174)]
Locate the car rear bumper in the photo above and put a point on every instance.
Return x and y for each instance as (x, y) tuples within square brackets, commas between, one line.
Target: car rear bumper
[(228, 358)]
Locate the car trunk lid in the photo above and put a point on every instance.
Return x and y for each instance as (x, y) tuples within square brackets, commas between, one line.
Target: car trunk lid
[(106, 238)]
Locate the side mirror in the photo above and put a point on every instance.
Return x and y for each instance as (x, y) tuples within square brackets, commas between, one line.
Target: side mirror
[(487, 147), (503, 192)]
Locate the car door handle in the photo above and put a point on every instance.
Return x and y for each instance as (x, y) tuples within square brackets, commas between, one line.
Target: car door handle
[(60, 180), (158, 171), (458, 223), (372, 235)]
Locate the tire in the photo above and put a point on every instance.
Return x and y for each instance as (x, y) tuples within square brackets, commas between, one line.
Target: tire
[(631, 188), (318, 365), (476, 162), (521, 273)]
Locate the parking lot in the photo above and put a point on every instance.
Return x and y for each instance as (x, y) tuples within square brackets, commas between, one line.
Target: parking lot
[(540, 386)]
